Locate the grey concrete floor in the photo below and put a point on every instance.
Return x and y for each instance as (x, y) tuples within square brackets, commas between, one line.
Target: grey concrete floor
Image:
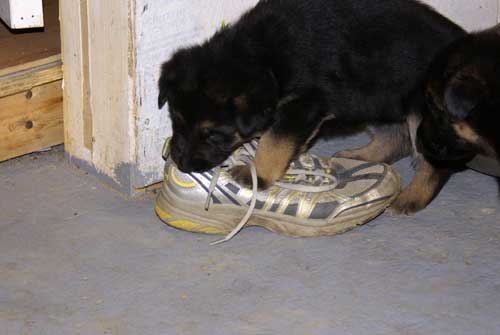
[(77, 258)]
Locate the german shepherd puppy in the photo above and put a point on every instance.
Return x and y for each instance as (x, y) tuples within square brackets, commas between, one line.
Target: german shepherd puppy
[(462, 119), (287, 66)]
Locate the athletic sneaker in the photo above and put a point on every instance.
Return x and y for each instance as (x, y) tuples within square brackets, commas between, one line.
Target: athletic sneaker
[(317, 196)]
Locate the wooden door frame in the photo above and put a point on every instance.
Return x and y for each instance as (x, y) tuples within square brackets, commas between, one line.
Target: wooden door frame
[(99, 83)]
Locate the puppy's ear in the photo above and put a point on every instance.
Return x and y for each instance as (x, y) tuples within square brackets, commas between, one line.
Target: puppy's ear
[(180, 73), (463, 94), (165, 83)]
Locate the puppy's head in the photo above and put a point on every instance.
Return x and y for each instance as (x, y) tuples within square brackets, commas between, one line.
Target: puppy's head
[(215, 105), (463, 96)]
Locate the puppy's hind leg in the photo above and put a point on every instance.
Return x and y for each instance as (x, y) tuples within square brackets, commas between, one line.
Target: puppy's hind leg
[(424, 187), (389, 143)]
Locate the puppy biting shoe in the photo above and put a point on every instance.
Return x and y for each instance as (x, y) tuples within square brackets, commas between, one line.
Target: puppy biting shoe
[(317, 196)]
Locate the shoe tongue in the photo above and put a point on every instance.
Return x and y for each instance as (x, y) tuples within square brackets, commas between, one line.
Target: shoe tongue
[(247, 150)]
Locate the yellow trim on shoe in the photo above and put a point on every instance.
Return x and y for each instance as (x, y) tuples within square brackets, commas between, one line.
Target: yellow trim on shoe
[(194, 227), (185, 224), (180, 182), (161, 213)]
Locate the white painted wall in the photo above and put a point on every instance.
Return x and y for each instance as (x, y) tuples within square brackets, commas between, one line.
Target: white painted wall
[(163, 26), (20, 14), (470, 14)]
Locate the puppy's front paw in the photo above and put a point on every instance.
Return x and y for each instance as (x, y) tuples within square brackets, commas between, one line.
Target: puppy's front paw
[(243, 176), (405, 204)]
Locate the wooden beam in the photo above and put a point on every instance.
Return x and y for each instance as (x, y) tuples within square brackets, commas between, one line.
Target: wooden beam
[(98, 87)]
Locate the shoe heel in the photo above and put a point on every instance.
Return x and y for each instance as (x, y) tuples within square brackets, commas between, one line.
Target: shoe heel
[(175, 218)]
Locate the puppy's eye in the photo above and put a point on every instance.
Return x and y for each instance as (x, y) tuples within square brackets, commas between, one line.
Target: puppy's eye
[(213, 136)]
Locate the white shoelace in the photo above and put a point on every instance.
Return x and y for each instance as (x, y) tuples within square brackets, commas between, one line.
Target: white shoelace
[(300, 175)]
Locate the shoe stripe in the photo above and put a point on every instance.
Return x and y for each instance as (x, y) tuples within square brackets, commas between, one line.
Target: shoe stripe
[(221, 190), (291, 210), (214, 198), (286, 201), (274, 207), (322, 210), (259, 204), (347, 177), (343, 207), (380, 180), (360, 168), (233, 188), (271, 197), (374, 176)]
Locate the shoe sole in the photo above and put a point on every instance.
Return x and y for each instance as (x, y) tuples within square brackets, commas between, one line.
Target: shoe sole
[(221, 219)]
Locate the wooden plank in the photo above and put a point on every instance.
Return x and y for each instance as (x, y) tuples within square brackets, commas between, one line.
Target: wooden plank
[(30, 65), (31, 121), (22, 46), (71, 53), (25, 78)]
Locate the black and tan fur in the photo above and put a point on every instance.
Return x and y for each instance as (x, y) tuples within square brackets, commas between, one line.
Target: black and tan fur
[(463, 115), (287, 66), (461, 119)]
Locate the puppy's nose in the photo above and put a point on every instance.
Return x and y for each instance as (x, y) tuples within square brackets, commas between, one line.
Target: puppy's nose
[(182, 163), (185, 166)]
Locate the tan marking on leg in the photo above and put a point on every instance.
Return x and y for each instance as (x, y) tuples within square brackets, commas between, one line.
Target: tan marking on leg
[(273, 157), (422, 189), (413, 120), (465, 131)]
